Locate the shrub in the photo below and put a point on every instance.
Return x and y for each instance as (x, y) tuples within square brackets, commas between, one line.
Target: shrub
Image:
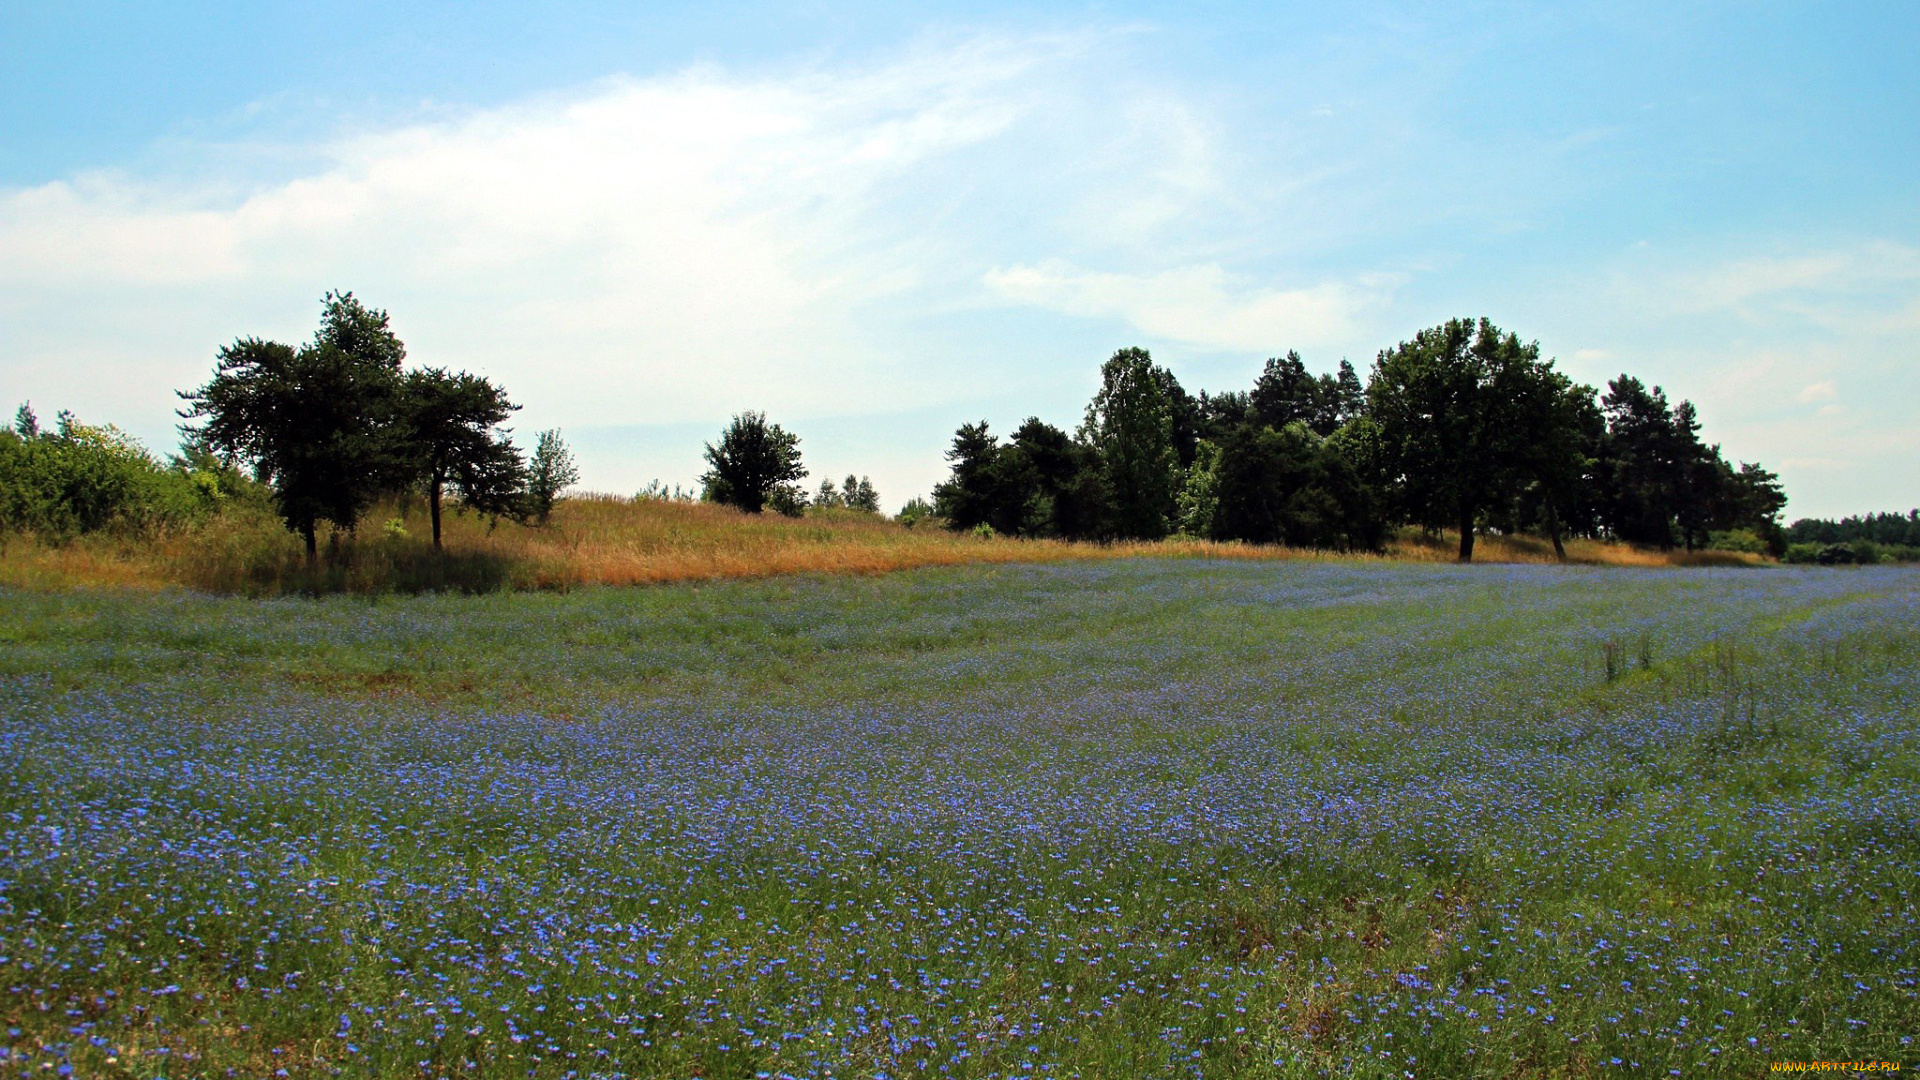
[(916, 511), (83, 478), (1745, 540), (551, 472)]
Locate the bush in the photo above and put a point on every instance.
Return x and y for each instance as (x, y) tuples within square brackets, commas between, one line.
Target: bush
[(82, 478), (916, 511), (1831, 554), (1745, 540)]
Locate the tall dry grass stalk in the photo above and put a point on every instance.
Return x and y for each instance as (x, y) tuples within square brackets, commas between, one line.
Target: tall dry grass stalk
[(607, 540)]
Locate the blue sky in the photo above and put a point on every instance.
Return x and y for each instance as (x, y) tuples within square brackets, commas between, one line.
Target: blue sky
[(878, 222)]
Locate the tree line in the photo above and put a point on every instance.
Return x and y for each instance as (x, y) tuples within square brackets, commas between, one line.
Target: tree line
[(1862, 538), (1461, 427)]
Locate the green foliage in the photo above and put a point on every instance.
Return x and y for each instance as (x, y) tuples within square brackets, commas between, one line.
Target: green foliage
[(550, 472), (787, 500), (1130, 424), (1199, 501), (1850, 553), (914, 512), (82, 478), (449, 425), (316, 422), (1743, 540), (656, 491), (1462, 429), (755, 466), (1897, 530), (1290, 487), (857, 493)]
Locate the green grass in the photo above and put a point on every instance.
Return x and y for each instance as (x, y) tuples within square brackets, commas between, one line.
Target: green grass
[(1115, 819)]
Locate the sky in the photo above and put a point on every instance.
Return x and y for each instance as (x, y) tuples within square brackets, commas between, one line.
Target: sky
[(876, 222)]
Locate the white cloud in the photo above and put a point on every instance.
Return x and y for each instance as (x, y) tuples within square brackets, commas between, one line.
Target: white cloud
[(1198, 305), (1823, 390), (644, 250), (666, 250)]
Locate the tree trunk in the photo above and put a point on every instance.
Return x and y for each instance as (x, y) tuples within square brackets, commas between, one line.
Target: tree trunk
[(433, 508), (1466, 533), (1553, 530), (313, 544)]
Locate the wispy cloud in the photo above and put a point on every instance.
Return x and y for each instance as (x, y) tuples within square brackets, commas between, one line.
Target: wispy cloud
[(1200, 305), (1869, 287)]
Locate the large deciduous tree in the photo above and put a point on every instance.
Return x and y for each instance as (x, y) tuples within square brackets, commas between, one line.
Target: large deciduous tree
[(1130, 422), (754, 465), (315, 422), (1456, 424)]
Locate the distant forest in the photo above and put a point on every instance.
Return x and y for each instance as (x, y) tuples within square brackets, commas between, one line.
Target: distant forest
[(1872, 538), (1462, 429)]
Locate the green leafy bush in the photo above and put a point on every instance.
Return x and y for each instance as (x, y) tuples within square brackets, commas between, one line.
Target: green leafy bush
[(1745, 540), (84, 478)]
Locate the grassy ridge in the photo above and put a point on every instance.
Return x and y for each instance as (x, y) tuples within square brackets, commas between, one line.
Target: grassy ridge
[(613, 541), (1106, 819)]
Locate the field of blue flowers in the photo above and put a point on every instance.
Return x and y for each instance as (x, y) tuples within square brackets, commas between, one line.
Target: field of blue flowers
[(1139, 818)]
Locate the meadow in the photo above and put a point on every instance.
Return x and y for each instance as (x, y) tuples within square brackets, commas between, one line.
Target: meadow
[(1096, 818), (612, 540)]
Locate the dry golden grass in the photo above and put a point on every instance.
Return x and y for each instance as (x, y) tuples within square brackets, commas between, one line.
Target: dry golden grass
[(1445, 547), (606, 540)]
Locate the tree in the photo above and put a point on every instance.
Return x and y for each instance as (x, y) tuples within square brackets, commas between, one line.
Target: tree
[(316, 422), (1286, 392), (1653, 461), (551, 472), (971, 495), (1553, 455), (450, 423), (1185, 410), (1288, 486), (860, 495), (1755, 500), (1451, 406), (755, 464), (1066, 493), (1283, 393), (1130, 422)]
